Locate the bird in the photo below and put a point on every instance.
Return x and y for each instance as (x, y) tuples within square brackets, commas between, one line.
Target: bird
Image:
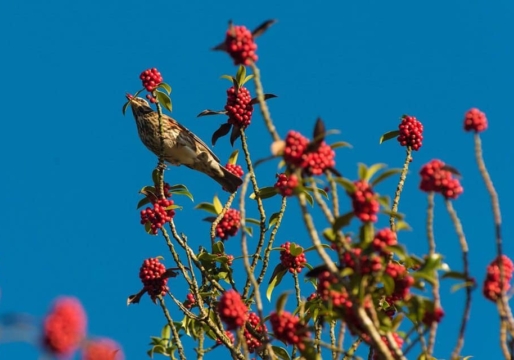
[(181, 146)]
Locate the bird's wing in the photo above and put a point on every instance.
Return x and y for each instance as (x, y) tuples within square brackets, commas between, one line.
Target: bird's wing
[(196, 141)]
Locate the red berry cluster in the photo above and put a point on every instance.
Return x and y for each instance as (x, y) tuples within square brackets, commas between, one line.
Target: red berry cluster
[(402, 282), (312, 162), (397, 339), (232, 310), (383, 238), (229, 224), (102, 349), (239, 107), (289, 329), (151, 78), (360, 263), (432, 316), (411, 132), (237, 170), (152, 275), (64, 327), (364, 202), (251, 341), (286, 184), (158, 216), (475, 120), (434, 177), (291, 262), (240, 45), (492, 285), (190, 301), (230, 336)]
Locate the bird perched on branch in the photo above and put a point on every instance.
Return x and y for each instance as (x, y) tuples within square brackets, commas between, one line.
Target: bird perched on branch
[(181, 146)]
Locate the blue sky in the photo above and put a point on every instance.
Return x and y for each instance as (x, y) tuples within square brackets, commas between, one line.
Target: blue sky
[(73, 164)]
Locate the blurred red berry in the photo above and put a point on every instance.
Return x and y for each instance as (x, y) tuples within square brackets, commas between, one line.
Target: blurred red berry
[(411, 132), (317, 161), (288, 329), (158, 216), (434, 177), (364, 202), (151, 78), (229, 224), (152, 275), (475, 120), (402, 282), (295, 146), (235, 169), (397, 339), (286, 184), (232, 310), (190, 301), (291, 262), (492, 284), (230, 336), (383, 238), (239, 107), (434, 315), (102, 349), (240, 45), (64, 327), (252, 342)]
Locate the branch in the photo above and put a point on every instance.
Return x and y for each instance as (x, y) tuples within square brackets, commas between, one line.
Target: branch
[(399, 188)]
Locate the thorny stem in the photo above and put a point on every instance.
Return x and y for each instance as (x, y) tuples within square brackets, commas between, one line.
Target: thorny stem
[(435, 285), (333, 192), (297, 289), (333, 339), (174, 331), (260, 208), (465, 261), (317, 335), (220, 216), (262, 102), (200, 350), (399, 188)]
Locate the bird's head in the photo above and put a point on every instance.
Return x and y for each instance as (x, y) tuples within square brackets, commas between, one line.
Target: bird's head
[(139, 105)]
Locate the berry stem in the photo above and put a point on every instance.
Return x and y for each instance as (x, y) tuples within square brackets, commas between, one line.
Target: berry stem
[(262, 102), (435, 286), (174, 331), (465, 261), (399, 187)]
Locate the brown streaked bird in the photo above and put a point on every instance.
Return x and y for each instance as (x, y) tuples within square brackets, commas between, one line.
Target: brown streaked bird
[(181, 146)]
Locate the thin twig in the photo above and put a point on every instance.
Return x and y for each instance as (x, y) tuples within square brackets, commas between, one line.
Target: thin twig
[(174, 331), (333, 339), (435, 285), (262, 103), (399, 188)]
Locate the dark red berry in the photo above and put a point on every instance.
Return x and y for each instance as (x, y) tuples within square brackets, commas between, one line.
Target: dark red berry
[(151, 78), (364, 201), (240, 45), (239, 107), (152, 275), (475, 120), (411, 132), (286, 184), (293, 263), (229, 224), (232, 310)]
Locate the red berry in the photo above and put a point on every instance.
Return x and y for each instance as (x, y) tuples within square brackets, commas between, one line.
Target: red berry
[(364, 202), (232, 310), (240, 45), (158, 216), (152, 275), (397, 339), (235, 169), (230, 336), (383, 238), (239, 107), (102, 349), (252, 342), (286, 184), (492, 284), (190, 301), (411, 132), (288, 329), (295, 147), (402, 282), (475, 120), (229, 224), (64, 327), (311, 161), (290, 261), (151, 78), (434, 315), (434, 177)]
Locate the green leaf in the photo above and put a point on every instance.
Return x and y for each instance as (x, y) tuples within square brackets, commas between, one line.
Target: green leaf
[(295, 249), (143, 202), (321, 191), (308, 197), (373, 169), (265, 192), (165, 86), (173, 207), (402, 225), (248, 230), (362, 171), (125, 106), (329, 234), (342, 221), (466, 284), (164, 99), (367, 233), (429, 277), (276, 278), (212, 112), (228, 77), (180, 189), (207, 207), (241, 75), (385, 175), (233, 157), (148, 227), (273, 219), (454, 275), (393, 214), (389, 135), (346, 184), (218, 207), (398, 250), (281, 353), (166, 332), (281, 302), (340, 144), (156, 174), (253, 221), (248, 78), (385, 201)]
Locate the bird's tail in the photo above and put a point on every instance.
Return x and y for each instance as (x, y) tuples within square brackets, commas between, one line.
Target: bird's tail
[(228, 181)]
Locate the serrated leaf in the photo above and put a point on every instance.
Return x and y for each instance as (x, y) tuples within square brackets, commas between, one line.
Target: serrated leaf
[(429, 277), (222, 131), (266, 97), (208, 112), (281, 353), (166, 332), (276, 278), (389, 135), (343, 220), (373, 169), (340, 144), (385, 175), (308, 197), (248, 230), (253, 221), (273, 219), (165, 86), (207, 207), (164, 99), (265, 192), (281, 302), (143, 202), (346, 184), (173, 207), (218, 206), (454, 275), (233, 157)]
